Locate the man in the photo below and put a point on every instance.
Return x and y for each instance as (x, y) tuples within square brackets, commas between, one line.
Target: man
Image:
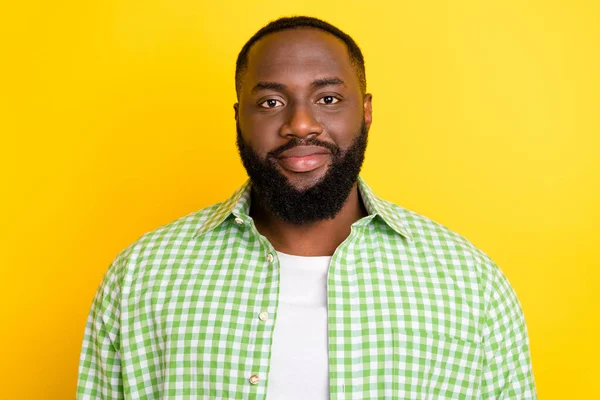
[(304, 284)]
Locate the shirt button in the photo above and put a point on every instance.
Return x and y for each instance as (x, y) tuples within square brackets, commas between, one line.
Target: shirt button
[(263, 316), (270, 258), (239, 221), (254, 379)]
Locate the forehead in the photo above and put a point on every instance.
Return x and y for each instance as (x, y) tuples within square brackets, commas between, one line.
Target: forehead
[(298, 56)]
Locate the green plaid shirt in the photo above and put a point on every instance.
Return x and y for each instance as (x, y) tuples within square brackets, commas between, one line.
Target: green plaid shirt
[(414, 312)]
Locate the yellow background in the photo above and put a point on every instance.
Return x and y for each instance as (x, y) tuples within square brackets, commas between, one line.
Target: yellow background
[(117, 118)]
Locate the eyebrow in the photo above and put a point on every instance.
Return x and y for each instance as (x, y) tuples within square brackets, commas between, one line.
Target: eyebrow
[(317, 83), (327, 82), (268, 85)]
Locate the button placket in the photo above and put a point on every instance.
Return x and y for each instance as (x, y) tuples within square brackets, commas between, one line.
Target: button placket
[(264, 327)]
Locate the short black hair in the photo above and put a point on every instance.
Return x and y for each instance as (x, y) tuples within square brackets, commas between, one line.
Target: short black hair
[(286, 23)]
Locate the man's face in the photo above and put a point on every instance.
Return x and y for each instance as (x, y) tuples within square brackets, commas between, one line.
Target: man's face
[(302, 121)]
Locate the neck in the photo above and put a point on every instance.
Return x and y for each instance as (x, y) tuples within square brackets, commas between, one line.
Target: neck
[(319, 238)]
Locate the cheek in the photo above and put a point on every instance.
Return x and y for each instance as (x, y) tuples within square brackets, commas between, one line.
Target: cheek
[(343, 132), (261, 137), (343, 125)]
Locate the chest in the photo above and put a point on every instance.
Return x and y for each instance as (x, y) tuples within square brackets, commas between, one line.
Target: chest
[(398, 325)]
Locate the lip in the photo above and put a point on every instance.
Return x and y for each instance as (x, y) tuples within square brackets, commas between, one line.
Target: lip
[(302, 151), (303, 158)]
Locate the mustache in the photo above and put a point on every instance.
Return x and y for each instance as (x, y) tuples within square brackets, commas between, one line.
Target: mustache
[(296, 142)]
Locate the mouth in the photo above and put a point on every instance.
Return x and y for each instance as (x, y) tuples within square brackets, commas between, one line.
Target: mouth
[(304, 163), (302, 159)]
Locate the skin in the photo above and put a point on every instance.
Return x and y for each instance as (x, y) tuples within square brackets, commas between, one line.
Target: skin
[(301, 83)]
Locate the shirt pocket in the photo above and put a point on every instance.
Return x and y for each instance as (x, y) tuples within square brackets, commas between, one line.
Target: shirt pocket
[(429, 365)]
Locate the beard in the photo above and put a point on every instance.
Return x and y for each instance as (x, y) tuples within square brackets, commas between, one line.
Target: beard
[(321, 201)]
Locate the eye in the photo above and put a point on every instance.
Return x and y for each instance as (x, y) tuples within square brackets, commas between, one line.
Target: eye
[(328, 100), (271, 103)]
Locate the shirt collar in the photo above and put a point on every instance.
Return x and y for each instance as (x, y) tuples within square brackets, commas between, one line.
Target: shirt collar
[(238, 205)]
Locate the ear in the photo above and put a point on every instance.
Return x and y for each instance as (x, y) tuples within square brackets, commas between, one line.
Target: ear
[(368, 109), (236, 109)]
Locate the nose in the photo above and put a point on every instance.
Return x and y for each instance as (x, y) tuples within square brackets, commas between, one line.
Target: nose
[(300, 123)]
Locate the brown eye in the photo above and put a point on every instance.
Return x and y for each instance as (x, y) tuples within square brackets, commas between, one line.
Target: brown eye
[(328, 100), (271, 103)]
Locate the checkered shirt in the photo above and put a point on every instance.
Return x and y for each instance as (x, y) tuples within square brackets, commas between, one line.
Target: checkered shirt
[(415, 311)]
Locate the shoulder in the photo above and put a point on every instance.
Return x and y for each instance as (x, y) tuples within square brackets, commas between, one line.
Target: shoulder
[(467, 271), (182, 228), (173, 235), (449, 250)]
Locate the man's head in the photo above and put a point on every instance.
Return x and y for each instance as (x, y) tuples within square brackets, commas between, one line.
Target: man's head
[(302, 117), (356, 57)]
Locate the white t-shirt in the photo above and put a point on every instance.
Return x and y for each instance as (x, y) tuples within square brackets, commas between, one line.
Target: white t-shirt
[(299, 362)]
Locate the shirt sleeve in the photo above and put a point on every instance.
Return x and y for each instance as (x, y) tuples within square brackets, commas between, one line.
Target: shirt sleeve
[(100, 360), (507, 372)]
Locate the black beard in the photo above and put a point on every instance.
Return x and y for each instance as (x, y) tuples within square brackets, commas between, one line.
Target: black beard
[(321, 201)]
